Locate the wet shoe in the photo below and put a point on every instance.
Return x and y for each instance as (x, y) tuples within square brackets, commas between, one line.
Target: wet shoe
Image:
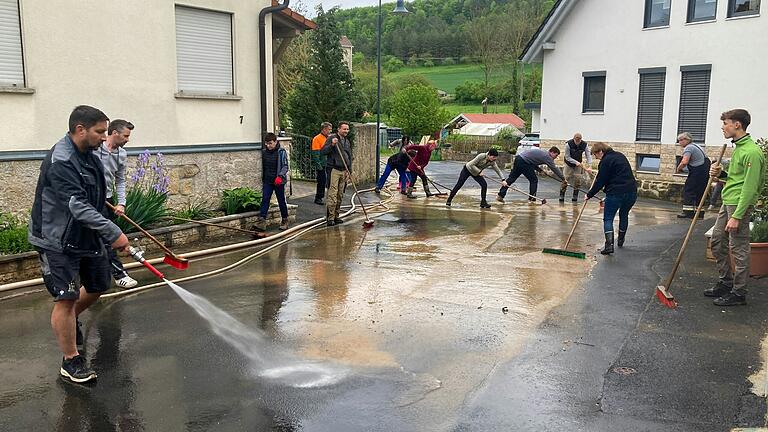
[(720, 289), (447, 203), (484, 204), (377, 191), (338, 221), (710, 208), (76, 370), (685, 215), (260, 225), (574, 200), (78, 335), (500, 199), (330, 223), (319, 201), (283, 224), (730, 299), (126, 282)]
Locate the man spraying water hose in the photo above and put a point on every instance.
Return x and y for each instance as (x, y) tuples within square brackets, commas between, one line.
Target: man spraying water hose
[(68, 230)]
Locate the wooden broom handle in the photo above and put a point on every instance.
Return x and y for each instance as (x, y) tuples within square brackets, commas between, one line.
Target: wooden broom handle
[(143, 231)]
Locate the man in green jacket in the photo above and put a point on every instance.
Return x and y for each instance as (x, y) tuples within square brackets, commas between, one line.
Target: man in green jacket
[(731, 232)]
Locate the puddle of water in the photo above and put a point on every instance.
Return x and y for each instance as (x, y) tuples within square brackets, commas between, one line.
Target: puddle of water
[(266, 360)]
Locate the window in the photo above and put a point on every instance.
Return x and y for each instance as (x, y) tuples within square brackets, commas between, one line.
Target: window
[(204, 52), (594, 92), (701, 10), (657, 13), (11, 59), (650, 105), (694, 101), (743, 7), (648, 163)]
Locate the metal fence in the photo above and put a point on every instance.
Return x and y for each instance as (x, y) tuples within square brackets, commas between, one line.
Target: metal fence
[(301, 158)]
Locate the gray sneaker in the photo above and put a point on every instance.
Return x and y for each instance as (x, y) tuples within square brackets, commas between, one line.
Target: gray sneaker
[(76, 370)]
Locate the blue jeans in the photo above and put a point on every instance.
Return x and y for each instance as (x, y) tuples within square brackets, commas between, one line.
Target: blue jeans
[(403, 178), (620, 203), (267, 189)]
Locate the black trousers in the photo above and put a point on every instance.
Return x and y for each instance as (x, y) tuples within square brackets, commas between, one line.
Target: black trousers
[(695, 185), (521, 167), (321, 184), (463, 176)]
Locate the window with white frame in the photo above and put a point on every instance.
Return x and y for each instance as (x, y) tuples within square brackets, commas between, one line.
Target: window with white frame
[(11, 57), (702, 10), (594, 92), (743, 7), (657, 13), (204, 58), (648, 163)]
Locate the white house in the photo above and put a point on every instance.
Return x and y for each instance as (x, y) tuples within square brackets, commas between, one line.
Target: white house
[(635, 73), (346, 48), (194, 76), (485, 124)]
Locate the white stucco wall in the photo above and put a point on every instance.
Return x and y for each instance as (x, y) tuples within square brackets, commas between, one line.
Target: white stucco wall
[(608, 35), (121, 57)]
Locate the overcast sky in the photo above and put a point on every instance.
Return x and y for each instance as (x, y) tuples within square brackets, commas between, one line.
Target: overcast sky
[(344, 4)]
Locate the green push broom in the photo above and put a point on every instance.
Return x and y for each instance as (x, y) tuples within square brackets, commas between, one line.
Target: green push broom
[(564, 251)]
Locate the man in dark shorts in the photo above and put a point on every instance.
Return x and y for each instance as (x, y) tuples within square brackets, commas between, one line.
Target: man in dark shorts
[(68, 230)]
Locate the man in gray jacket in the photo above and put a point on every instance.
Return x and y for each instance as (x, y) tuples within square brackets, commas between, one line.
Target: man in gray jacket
[(474, 169), (527, 164), (114, 158), (68, 230), (336, 146)]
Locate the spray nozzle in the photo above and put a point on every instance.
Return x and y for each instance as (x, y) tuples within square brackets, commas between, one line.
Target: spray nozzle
[(136, 253)]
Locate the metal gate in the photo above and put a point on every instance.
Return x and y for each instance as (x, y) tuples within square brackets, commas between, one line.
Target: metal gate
[(302, 167)]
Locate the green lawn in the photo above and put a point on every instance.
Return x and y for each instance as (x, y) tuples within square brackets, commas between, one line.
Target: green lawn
[(456, 109), (446, 78)]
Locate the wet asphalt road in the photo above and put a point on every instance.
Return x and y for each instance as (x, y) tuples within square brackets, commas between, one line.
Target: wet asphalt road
[(411, 312)]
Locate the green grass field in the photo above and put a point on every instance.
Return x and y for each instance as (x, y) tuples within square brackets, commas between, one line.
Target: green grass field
[(446, 78)]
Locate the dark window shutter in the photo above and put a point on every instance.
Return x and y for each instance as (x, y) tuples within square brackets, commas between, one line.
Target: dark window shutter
[(650, 106), (694, 101)]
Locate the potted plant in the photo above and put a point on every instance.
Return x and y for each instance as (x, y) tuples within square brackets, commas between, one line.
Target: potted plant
[(758, 258)]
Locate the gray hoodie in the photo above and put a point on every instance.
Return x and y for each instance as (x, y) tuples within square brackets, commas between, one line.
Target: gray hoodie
[(114, 170)]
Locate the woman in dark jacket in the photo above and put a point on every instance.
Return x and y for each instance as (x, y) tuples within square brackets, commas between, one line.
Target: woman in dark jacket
[(274, 175), (615, 177)]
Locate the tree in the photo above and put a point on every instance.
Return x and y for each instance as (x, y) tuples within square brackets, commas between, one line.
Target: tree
[(418, 110), (488, 38), (326, 90)]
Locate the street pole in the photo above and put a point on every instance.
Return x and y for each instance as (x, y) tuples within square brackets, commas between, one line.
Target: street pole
[(378, 93)]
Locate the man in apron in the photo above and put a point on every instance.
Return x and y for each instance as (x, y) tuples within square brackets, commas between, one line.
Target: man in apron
[(698, 174)]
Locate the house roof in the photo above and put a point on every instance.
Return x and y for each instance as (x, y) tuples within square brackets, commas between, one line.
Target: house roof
[(510, 119), (532, 53), (301, 22), (345, 42)]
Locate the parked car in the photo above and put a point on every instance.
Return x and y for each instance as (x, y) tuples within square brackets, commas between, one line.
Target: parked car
[(528, 141)]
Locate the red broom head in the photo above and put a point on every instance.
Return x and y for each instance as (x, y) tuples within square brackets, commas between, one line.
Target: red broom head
[(176, 262), (665, 297)]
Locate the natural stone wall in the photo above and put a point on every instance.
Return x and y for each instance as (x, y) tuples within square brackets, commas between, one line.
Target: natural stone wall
[(364, 154), (448, 154), (24, 266)]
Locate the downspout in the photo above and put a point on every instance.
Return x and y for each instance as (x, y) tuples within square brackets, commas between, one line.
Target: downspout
[(263, 59)]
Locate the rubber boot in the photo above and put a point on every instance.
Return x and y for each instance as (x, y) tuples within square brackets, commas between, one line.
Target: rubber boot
[(484, 204), (427, 191), (409, 193), (608, 249), (620, 240), (575, 197), (562, 196)]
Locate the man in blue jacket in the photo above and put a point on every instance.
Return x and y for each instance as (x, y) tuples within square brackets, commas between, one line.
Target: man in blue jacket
[(68, 231)]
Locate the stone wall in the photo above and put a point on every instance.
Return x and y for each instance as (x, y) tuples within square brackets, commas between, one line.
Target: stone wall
[(504, 160), (364, 154), (190, 236)]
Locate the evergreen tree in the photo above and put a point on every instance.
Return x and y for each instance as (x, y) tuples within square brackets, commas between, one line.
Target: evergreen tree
[(326, 92)]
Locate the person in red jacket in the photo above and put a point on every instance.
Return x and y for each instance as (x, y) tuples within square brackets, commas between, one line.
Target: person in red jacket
[(417, 165)]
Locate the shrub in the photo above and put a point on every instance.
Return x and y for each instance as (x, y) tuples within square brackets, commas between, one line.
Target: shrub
[(428, 63), (393, 64), (449, 61), (13, 235), (239, 200), (414, 60), (759, 233), (471, 91), (467, 60), (147, 192), (195, 210)]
